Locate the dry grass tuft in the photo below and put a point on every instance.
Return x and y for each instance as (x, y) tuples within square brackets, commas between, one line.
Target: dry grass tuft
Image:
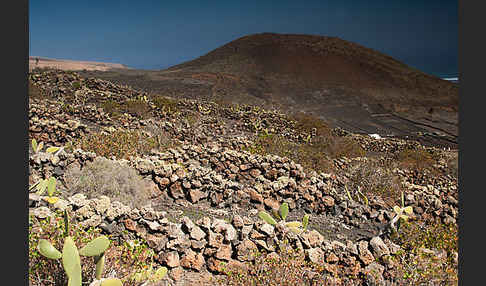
[(109, 178), (375, 178)]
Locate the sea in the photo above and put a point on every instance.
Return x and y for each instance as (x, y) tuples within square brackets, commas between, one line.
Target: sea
[(451, 79)]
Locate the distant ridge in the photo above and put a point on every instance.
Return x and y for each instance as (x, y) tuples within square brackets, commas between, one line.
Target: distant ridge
[(63, 64)]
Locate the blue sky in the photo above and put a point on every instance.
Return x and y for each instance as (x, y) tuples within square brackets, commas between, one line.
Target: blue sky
[(158, 34)]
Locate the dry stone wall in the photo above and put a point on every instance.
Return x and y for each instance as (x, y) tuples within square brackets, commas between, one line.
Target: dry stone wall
[(238, 184)]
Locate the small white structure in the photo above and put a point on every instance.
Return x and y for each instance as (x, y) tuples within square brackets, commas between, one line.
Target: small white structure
[(375, 136)]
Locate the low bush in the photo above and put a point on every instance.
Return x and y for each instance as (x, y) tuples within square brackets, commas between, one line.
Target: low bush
[(36, 92), (288, 268), (112, 107), (452, 165), (306, 123), (134, 107), (137, 108), (316, 155), (165, 104), (106, 177), (415, 159), (122, 143), (339, 147), (427, 254), (375, 178)]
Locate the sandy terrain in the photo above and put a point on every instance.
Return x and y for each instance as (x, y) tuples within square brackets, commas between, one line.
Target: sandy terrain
[(72, 65)]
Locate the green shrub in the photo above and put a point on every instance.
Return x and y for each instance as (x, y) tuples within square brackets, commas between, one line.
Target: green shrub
[(137, 108), (71, 256), (44, 271), (112, 107), (76, 85), (109, 178), (310, 156)]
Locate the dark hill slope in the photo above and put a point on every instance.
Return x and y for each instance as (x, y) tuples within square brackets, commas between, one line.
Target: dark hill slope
[(296, 63), (346, 84)]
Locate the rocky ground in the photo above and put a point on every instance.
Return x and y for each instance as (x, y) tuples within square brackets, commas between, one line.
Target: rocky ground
[(201, 189)]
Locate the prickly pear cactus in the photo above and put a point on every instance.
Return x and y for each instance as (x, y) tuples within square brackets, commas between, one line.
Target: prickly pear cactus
[(95, 247), (267, 218), (70, 256), (284, 210), (48, 250), (71, 262), (111, 282), (305, 222)]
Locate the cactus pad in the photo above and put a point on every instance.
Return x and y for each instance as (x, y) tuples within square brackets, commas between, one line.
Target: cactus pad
[(52, 149), (100, 265), (95, 247), (48, 250), (284, 210), (305, 221), (51, 187), (111, 282), (293, 224), (71, 262), (267, 218), (295, 230), (159, 274), (34, 145)]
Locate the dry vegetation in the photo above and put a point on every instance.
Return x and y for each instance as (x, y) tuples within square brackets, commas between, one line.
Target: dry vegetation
[(123, 143), (288, 268), (317, 147), (109, 178), (376, 178), (428, 255), (315, 151), (418, 159)]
